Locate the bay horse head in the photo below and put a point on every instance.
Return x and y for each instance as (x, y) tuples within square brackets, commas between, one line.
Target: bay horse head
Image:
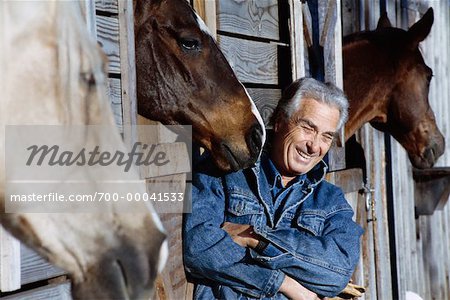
[(387, 82), (183, 78), (54, 75)]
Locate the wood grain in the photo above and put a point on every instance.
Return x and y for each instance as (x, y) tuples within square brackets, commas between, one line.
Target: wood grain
[(110, 6), (108, 38), (253, 62), (266, 100), (35, 268), (48, 292), (10, 263), (115, 97), (257, 18), (128, 71)]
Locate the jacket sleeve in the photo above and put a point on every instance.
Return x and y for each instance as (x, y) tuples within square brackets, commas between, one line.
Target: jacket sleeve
[(210, 253), (322, 263)]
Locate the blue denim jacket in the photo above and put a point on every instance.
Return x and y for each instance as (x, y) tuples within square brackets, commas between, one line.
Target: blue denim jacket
[(312, 236)]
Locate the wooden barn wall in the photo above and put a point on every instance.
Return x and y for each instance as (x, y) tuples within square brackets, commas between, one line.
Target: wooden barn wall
[(374, 269), (422, 245), (248, 34)]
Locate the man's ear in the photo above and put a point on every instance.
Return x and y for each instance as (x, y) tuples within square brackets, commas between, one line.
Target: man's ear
[(277, 124)]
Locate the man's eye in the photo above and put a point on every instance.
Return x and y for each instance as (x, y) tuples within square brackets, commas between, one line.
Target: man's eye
[(307, 128), (328, 138)]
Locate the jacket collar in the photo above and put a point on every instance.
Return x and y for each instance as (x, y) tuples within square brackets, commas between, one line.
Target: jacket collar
[(313, 177)]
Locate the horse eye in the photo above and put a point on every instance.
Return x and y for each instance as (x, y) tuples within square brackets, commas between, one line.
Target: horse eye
[(189, 44), (88, 78)]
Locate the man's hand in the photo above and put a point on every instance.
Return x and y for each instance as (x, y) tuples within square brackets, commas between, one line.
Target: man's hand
[(295, 291), (241, 234)]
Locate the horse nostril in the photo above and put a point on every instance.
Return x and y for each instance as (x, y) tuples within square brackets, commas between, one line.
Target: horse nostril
[(428, 154), (255, 140)]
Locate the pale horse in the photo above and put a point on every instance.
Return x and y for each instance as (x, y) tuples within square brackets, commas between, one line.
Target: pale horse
[(52, 74)]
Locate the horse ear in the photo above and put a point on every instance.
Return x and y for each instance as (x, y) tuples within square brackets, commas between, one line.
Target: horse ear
[(383, 22), (420, 30)]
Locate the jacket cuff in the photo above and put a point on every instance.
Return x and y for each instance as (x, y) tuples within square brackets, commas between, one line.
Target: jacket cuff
[(271, 251), (274, 283)]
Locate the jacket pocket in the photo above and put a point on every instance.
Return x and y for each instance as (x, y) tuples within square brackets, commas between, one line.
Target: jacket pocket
[(241, 205), (312, 221)]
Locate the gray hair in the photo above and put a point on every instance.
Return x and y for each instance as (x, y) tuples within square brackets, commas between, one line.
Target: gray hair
[(307, 87)]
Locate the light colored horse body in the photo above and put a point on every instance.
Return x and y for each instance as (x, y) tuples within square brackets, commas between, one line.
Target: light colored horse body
[(53, 75)]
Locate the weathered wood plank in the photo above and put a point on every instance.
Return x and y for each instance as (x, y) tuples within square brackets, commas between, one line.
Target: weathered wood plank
[(35, 268), (88, 8), (253, 62), (257, 18), (173, 185), (349, 180), (350, 17), (380, 217), (9, 262), (49, 292), (108, 38), (207, 11), (178, 157), (110, 6), (172, 284), (297, 40), (128, 71), (115, 97), (266, 100), (154, 134)]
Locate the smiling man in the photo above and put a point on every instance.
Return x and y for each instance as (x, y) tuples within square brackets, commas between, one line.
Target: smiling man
[(277, 230)]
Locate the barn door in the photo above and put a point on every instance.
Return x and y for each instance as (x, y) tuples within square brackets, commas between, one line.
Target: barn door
[(374, 269)]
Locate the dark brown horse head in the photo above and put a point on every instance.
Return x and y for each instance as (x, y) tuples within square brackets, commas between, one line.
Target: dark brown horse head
[(183, 78), (394, 97)]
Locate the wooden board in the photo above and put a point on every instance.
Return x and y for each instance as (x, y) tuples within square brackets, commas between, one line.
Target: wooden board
[(253, 62), (266, 100), (172, 284), (128, 71), (110, 6), (115, 97), (49, 292), (297, 40), (207, 11), (108, 38), (256, 18), (35, 268), (9, 261)]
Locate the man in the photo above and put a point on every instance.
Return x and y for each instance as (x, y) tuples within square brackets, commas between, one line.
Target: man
[(278, 229)]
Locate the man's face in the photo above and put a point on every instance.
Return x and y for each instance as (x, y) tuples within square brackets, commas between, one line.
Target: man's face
[(302, 142)]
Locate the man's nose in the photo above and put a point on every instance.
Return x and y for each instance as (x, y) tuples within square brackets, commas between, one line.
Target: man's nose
[(313, 144)]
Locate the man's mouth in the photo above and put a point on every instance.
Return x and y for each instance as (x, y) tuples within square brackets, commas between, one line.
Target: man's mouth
[(303, 155)]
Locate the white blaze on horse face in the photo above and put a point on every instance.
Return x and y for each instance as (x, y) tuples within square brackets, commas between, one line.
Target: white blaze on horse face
[(255, 111), (203, 26), (155, 217), (163, 255)]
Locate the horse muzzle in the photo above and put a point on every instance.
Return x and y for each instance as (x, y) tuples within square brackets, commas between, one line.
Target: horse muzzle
[(430, 154), (235, 156)]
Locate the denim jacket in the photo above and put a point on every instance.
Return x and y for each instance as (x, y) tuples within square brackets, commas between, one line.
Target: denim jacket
[(312, 238)]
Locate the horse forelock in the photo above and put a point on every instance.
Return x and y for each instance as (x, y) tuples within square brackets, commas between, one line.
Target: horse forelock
[(202, 25)]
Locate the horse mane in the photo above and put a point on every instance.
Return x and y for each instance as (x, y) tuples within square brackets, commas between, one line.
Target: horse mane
[(78, 64), (390, 36)]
